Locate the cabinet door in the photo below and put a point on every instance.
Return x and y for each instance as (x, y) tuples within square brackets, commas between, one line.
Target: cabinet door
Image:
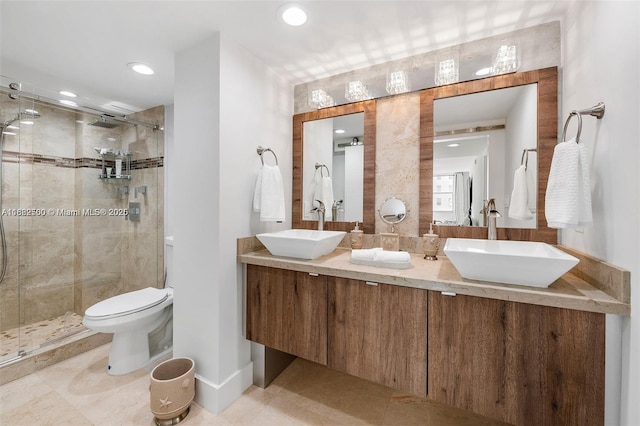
[(379, 333), (287, 310), (519, 363)]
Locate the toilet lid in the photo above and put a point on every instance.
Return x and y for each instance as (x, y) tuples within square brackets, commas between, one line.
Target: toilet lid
[(128, 302)]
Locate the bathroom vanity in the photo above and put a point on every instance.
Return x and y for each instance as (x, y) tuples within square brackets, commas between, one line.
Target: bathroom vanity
[(513, 353)]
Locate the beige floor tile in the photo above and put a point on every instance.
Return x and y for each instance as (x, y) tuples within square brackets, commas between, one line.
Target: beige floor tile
[(21, 392), (78, 391), (47, 409)]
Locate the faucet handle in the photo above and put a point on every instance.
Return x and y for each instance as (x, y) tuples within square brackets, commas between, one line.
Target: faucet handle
[(321, 207)]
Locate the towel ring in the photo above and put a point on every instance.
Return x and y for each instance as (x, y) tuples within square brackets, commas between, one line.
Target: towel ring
[(525, 157), (595, 111), (321, 166), (262, 150), (566, 124)]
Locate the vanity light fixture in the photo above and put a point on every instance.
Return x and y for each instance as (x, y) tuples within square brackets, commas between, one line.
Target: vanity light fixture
[(447, 66), (140, 68), (453, 145), (507, 58), (292, 14), (339, 131), (320, 99), (397, 82), (68, 94), (356, 91)]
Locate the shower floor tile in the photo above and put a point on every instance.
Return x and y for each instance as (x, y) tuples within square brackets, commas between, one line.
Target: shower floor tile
[(40, 334)]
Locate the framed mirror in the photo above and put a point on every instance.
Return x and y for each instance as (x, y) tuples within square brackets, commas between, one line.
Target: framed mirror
[(545, 82), (338, 169), (480, 140)]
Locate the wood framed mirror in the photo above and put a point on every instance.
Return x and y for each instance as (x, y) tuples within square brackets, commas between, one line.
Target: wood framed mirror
[(547, 137), (300, 220)]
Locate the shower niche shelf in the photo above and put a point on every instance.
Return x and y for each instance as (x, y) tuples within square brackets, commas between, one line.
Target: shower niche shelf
[(110, 160)]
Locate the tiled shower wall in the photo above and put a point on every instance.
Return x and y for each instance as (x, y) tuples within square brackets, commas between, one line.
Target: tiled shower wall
[(62, 262)]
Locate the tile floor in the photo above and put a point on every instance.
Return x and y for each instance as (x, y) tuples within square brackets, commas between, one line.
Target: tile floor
[(79, 392)]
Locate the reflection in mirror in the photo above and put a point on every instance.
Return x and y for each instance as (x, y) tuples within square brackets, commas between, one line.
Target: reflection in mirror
[(333, 167), (393, 211), (479, 140)]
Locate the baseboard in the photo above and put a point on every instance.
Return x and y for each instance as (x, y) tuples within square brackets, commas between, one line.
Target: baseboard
[(216, 397)]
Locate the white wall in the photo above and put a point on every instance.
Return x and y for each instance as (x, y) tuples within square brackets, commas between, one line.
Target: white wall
[(601, 51), (226, 104)]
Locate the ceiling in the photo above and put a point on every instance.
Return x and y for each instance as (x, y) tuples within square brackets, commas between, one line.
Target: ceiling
[(84, 46)]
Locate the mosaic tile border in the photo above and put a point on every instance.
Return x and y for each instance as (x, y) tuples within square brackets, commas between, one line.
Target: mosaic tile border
[(76, 163)]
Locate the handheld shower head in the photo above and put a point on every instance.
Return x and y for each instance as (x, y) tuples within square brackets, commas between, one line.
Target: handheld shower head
[(26, 115)]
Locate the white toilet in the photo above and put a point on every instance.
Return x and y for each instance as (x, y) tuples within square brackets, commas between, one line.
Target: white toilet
[(142, 325)]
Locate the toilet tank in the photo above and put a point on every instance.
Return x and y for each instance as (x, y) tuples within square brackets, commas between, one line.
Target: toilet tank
[(168, 261)]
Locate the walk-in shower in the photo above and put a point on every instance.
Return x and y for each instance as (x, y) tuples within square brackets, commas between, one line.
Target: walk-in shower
[(67, 239)]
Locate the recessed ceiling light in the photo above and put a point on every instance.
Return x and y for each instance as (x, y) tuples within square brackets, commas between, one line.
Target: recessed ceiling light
[(453, 145), (339, 131), (68, 93), (68, 103), (140, 68), (484, 71), (292, 14)]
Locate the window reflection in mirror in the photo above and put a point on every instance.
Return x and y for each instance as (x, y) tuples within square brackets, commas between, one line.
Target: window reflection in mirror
[(333, 167), (478, 145)]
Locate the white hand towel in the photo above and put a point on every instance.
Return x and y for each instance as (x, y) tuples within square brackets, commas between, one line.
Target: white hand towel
[(568, 197), (364, 254), (391, 256), (324, 193), (269, 194), (518, 208)]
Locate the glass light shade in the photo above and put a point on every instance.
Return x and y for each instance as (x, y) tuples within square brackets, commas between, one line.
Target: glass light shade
[(447, 68), (507, 59), (356, 91), (397, 82), (320, 99)]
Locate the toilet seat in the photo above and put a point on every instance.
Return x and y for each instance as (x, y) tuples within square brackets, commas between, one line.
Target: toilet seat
[(127, 303)]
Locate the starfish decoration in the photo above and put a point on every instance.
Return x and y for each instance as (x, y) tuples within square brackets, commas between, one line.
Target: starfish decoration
[(165, 402)]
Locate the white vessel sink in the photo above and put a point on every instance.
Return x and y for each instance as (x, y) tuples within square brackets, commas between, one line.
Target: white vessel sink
[(301, 243), (510, 262)]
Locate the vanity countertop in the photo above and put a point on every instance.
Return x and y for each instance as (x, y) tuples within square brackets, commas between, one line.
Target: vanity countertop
[(570, 291)]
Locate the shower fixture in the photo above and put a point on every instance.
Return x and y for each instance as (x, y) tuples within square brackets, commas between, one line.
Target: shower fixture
[(102, 122)]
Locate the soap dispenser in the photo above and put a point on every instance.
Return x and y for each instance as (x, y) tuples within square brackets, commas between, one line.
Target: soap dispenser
[(430, 244), (356, 237)]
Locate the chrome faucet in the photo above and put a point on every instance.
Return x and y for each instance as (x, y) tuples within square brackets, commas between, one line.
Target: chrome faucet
[(320, 210), (335, 209), (493, 215)]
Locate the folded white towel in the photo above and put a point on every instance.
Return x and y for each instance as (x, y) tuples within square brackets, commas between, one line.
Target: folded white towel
[(268, 197), (568, 197), (364, 254), (391, 256), (519, 208)]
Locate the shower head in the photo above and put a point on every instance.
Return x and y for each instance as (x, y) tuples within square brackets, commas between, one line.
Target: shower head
[(102, 122), (27, 115), (24, 115)]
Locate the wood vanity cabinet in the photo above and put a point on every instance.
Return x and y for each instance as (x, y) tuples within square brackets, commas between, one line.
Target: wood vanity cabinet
[(520, 363), (379, 332), (287, 310)]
